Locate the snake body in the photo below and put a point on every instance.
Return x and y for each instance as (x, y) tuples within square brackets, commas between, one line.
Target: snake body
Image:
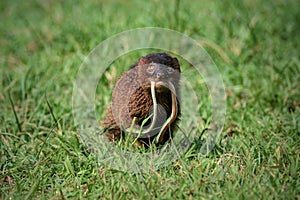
[(142, 132)]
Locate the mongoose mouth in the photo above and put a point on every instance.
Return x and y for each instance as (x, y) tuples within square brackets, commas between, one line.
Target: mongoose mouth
[(160, 86), (143, 133)]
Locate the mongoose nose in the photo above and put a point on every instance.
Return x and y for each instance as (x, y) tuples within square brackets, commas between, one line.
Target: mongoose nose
[(160, 75)]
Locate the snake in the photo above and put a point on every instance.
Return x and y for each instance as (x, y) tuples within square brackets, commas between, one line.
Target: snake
[(140, 133)]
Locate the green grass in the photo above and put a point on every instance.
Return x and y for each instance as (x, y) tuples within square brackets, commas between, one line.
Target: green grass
[(255, 45)]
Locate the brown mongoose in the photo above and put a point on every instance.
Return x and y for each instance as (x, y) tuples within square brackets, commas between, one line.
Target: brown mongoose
[(146, 101)]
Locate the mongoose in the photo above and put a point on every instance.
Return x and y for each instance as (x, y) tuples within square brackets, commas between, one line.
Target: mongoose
[(146, 101)]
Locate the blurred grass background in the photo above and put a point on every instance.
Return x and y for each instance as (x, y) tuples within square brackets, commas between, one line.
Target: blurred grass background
[(256, 46)]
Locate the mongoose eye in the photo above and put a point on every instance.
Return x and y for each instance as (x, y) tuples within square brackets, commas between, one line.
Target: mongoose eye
[(170, 70), (151, 69)]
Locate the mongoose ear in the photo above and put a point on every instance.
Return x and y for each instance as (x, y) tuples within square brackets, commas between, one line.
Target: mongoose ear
[(175, 64), (143, 60)]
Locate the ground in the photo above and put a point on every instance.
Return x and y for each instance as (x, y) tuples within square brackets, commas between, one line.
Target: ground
[(255, 45)]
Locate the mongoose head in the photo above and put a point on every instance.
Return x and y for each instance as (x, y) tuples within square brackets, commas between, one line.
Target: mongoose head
[(159, 68)]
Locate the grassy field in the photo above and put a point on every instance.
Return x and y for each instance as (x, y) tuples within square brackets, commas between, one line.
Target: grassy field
[(255, 45)]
